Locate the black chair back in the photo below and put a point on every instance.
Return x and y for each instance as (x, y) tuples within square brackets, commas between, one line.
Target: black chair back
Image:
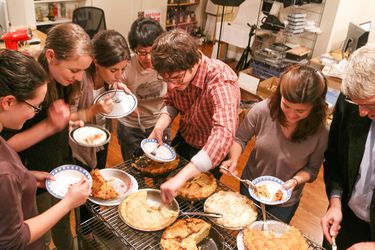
[(91, 19)]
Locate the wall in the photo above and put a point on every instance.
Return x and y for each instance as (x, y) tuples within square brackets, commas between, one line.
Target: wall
[(120, 14), (21, 13), (336, 18)]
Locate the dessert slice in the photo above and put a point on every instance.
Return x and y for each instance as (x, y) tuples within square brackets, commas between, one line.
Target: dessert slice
[(185, 234), (101, 188)]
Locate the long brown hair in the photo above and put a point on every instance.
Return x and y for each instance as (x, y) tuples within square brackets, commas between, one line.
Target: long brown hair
[(68, 41), (305, 85)]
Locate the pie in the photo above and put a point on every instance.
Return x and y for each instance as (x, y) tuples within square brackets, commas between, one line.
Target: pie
[(198, 188), (138, 214), (237, 210), (263, 193), (148, 166), (185, 234), (292, 239), (101, 188)]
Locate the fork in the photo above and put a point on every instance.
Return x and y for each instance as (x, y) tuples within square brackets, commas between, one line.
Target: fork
[(334, 246), (153, 152), (248, 182)]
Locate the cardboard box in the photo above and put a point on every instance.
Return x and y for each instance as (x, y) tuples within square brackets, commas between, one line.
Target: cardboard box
[(247, 81), (267, 87)]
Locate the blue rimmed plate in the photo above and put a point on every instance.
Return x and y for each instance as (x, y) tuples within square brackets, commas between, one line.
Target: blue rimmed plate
[(65, 176), (271, 185), (163, 153)]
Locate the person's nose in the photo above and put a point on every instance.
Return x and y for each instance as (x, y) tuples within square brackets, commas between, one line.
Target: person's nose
[(171, 86), (78, 76)]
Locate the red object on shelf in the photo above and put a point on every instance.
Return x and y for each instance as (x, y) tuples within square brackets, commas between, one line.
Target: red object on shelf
[(12, 38)]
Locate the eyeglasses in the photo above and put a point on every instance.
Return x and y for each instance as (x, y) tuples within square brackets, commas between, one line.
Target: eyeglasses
[(366, 106), (173, 79), (142, 53), (36, 109)]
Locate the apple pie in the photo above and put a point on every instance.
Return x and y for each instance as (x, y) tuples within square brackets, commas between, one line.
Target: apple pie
[(185, 234), (263, 193), (292, 239), (101, 188), (138, 214), (147, 166), (237, 210), (198, 188)]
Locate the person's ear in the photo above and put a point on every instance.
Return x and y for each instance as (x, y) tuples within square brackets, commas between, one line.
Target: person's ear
[(50, 55), (7, 101)]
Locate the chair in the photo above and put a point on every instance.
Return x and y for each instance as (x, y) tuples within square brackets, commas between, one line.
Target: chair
[(91, 19)]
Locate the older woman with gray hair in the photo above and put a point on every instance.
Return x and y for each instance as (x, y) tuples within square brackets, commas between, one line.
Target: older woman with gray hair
[(349, 168)]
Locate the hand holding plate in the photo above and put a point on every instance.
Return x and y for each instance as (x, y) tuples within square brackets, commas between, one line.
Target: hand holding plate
[(78, 193), (41, 178)]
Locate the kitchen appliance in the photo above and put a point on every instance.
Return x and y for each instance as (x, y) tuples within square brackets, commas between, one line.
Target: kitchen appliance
[(12, 38)]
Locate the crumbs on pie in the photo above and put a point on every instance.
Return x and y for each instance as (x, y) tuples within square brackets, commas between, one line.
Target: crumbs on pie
[(198, 188), (237, 210), (101, 188), (185, 234), (148, 166), (263, 193), (137, 213), (292, 239)]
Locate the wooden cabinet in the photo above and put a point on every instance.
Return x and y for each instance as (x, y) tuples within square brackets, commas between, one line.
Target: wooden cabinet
[(181, 14)]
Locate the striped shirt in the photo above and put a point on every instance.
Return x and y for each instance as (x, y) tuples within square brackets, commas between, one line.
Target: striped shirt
[(209, 111)]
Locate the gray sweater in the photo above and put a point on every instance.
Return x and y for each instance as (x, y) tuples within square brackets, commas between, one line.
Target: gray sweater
[(276, 155)]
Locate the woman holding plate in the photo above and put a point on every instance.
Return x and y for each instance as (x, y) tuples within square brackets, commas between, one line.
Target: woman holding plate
[(23, 86), (43, 140), (111, 56), (291, 136)]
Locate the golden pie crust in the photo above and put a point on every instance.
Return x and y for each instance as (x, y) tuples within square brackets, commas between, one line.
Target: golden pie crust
[(237, 210), (101, 188), (261, 240), (138, 214), (185, 234), (198, 188), (147, 166)]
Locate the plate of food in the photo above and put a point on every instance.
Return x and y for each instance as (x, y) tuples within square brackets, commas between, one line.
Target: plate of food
[(110, 186), (90, 135), (65, 176), (154, 151), (123, 103), (237, 210), (278, 234), (269, 190), (179, 236)]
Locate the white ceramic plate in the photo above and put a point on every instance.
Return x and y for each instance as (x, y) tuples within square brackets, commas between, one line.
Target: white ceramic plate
[(65, 176), (122, 182), (90, 135), (163, 153), (273, 185), (123, 103)]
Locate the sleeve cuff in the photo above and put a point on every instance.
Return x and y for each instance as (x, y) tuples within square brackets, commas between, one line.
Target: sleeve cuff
[(202, 161), (170, 110), (336, 193)]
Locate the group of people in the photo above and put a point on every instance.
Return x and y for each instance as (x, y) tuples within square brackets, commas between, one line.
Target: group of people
[(41, 100)]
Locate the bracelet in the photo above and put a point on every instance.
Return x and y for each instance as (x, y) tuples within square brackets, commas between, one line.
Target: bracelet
[(294, 178)]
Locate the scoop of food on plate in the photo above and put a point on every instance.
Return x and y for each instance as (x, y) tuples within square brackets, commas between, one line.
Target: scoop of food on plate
[(185, 233), (263, 192), (101, 188)]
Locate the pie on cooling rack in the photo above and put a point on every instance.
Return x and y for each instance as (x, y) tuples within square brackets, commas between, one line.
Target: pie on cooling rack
[(198, 188), (138, 214), (101, 188), (148, 166), (237, 210), (292, 239), (185, 234)]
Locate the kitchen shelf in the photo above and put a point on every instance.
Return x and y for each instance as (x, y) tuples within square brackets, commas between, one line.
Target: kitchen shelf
[(182, 4), (57, 21), (179, 24), (53, 1)]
